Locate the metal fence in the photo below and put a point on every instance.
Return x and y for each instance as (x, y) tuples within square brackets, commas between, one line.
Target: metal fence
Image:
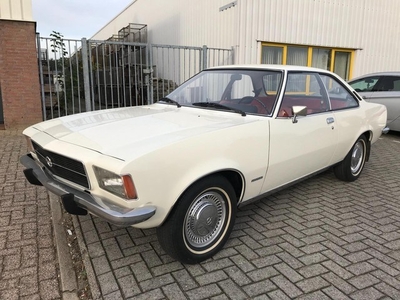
[(83, 75)]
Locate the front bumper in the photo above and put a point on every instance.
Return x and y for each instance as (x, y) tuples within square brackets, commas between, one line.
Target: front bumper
[(79, 203)]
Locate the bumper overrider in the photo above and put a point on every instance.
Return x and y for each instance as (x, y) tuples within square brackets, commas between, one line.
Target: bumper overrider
[(77, 202)]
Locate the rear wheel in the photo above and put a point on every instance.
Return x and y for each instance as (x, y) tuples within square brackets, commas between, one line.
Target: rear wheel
[(201, 221), (350, 168)]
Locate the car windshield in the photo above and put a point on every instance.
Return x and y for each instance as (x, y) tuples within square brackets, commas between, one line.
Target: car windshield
[(243, 91)]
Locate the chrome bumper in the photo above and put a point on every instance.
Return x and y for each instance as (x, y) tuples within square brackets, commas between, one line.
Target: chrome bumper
[(78, 202), (385, 130)]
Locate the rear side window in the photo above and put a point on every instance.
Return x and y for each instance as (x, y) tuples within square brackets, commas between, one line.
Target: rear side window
[(304, 89), (339, 96)]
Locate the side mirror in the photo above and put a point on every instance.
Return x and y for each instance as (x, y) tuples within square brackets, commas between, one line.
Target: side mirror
[(298, 111)]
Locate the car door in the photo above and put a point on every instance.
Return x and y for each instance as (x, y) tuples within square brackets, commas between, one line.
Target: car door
[(387, 92), (303, 146)]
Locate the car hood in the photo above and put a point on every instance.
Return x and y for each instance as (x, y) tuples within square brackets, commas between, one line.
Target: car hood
[(128, 132)]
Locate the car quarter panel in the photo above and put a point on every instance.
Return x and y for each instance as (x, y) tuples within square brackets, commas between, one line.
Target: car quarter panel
[(392, 102)]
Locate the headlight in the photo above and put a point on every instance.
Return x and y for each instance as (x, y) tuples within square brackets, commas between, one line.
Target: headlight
[(120, 185)]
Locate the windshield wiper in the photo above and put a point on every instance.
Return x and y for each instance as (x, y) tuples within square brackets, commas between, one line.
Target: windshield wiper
[(168, 100), (217, 105)]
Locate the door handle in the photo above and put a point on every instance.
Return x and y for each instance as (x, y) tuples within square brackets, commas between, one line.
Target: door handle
[(330, 120)]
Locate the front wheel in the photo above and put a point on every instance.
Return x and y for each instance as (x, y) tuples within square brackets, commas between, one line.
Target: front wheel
[(201, 221), (349, 169)]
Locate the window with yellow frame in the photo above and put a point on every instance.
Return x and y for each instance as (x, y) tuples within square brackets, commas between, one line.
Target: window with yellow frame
[(335, 60)]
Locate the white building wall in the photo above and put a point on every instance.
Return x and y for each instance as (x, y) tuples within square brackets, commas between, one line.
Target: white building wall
[(20, 10), (178, 22), (369, 26)]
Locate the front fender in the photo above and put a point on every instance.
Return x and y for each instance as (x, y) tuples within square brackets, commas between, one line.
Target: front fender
[(162, 176)]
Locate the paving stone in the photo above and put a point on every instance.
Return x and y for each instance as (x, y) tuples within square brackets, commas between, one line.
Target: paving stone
[(334, 293), (336, 258), (369, 293), (339, 283), (337, 269), (173, 291), (361, 268), (384, 277), (312, 284), (286, 286), (276, 295), (185, 281), (107, 283), (101, 265), (312, 259), (288, 272), (290, 260), (153, 295), (317, 295), (358, 257), (259, 288), (312, 270), (204, 292), (156, 282), (128, 286), (211, 277), (232, 290), (28, 264), (239, 277), (363, 281)]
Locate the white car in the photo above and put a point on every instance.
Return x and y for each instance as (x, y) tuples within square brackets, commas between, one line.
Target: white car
[(382, 88), (227, 136)]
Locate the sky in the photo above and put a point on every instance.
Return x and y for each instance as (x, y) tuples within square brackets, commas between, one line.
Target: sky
[(75, 19)]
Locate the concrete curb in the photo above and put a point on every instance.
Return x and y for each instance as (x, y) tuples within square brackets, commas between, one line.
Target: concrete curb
[(94, 287), (69, 285)]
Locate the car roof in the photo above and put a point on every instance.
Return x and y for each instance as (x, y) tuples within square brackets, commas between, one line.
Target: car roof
[(271, 67), (391, 73)]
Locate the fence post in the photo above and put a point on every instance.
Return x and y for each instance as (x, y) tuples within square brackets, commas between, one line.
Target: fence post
[(41, 77), (86, 76), (204, 57), (150, 96)]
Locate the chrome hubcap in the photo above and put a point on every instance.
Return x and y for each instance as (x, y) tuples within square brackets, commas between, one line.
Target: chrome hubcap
[(357, 157), (205, 219)]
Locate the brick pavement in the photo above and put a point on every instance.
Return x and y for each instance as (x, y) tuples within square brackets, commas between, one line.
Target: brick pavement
[(28, 259), (320, 239)]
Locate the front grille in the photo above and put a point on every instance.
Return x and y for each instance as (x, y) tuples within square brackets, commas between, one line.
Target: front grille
[(62, 166)]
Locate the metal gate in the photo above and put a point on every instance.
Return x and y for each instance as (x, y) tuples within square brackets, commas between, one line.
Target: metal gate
[(83, 75)]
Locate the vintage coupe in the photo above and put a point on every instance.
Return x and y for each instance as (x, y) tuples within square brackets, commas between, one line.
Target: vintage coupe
[(184, 164)]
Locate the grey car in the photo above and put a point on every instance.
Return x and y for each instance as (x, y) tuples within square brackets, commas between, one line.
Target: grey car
[(383, 88)]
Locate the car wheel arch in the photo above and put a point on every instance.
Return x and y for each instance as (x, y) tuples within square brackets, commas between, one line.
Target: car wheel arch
[(235, 178), (368, 135)]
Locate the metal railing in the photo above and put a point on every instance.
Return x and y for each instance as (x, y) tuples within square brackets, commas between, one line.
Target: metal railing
[(83, 75)]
